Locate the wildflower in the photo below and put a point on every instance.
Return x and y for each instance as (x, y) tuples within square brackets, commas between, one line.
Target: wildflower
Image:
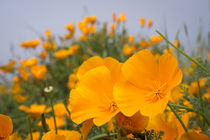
[(93, 96), (86, 127), (145, 84), (193, 89), (35, 136), (62, 54), (160, 123), (34, 110), (131, 39), (142, 22), (30, 44), (114, 16), (50, 122), (176, 43), (176, 94), (169, 50), (60, 110), (72, 82), (43, 55), (156, 39), (16, 79), (73, 49), (194, 136), (92, 19), (128, 50), (49, 46), (8, 67), (48, 34), (24, 74), (62, 135), (70, 28), (122, 17), (38, 71), (134, 124), (144, 44), (6, 126), (150, 23), (31, 62), (15, 136), (20, 98), (48, 89)]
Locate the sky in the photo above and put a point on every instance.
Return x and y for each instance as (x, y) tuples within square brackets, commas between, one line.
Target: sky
[(22, 20)]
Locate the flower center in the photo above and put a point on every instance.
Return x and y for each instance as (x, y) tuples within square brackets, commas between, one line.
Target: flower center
[(113, 107), (154, 96)]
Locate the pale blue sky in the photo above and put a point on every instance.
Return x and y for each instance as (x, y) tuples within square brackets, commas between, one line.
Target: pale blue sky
[(18, 18)]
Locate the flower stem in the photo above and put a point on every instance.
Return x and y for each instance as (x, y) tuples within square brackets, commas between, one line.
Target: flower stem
[(29, 127), (183, 53), (177, 116), (44, 125), (98, 137), (192, 110), (53, 112), (200, 96)]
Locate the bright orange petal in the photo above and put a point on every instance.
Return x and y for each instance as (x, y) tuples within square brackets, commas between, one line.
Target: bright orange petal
[(141, 69), (6, 126), (89, 64)]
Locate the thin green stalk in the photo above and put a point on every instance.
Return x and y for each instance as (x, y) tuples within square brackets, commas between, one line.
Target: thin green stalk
[(200, 96), (183, 53), (29, 127), (53, 112), (99, 137), (177, 116), (192, 110), (44, 125)]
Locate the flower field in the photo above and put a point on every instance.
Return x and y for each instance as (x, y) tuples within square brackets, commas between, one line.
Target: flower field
[(98, 82)]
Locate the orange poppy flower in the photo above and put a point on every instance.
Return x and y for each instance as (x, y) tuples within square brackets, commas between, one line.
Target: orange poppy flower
[(39, 72), (145, 84), (93, 96), (6, 126), (62, 135), (194, 136)]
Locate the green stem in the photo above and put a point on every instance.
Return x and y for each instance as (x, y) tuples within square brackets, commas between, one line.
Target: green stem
[(29, 127), (190, 58), (98, 137), (192, 110), (53, 112), (177, 116), (44, 125), (200, 95)]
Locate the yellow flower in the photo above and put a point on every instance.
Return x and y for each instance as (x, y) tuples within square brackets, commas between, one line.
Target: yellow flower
[(93, 96), (128, 50), (169, 50), (20, 98), (6, 126), (16, 79), (176, 43), (60, 110), (48, 34), (72, 81), (70, 27), (30, 44), (142, 22), (156, 39), (50, 122), (38, 72), (43, 55), (92, 19), (189, 71), (145, 84), (144, 44), (194, 136), (49, 46), (150, 23), (62, 54), (176, 94), (193, 89), (114, 17), (122, 17), (31, 62), (34, 111), (131, 39), (35, 136), (134, 124), (62, 135), (24, 74), (8, 67), (160, 123), (73, 49), (15, 136)]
